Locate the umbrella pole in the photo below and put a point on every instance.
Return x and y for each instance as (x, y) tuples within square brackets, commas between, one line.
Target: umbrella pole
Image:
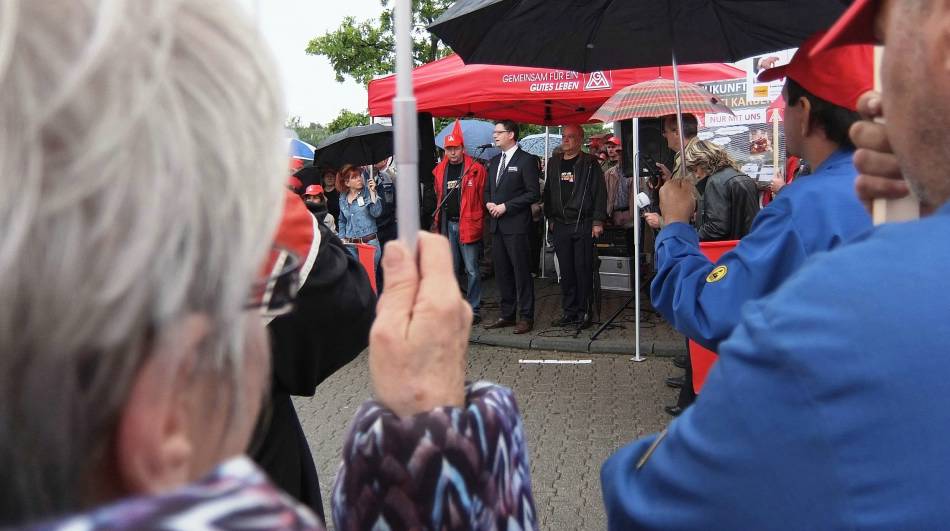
[(679, 115), (635, 142), (405, 132)]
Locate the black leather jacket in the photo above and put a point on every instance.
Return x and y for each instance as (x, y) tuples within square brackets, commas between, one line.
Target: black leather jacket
[(728, 206)]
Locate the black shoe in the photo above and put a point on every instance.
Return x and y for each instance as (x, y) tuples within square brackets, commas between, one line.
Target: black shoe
[(523, 327), (476, 319), (500, 323), (565, 320), (676, 382), (674, 410), (680, 361), (584, 323)]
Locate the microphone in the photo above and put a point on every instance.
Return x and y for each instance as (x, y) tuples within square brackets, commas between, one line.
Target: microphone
[(484, 146)]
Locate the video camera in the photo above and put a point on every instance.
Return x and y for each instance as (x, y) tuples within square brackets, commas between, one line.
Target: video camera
[(649, 172)]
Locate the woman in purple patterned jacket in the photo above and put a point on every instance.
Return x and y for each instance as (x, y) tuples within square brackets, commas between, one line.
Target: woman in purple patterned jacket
[(135, 356)]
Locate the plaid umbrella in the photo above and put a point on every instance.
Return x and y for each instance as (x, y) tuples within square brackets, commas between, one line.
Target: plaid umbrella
[(658, 98)]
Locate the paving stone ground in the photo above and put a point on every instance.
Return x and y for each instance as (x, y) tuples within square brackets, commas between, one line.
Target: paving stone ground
[(575, 416), (656, 335)]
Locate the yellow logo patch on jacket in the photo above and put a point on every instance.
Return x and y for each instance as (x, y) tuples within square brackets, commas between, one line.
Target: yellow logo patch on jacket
[(717, 274)]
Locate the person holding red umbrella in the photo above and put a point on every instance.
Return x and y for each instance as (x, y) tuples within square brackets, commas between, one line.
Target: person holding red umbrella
[(459, 188)]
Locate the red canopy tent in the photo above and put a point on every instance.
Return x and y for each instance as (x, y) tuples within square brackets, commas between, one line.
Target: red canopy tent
[(450, 88)]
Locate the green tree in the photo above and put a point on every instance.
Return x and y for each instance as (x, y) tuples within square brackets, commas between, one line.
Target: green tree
[(345, 119), (311, 134), (595, 129), (365, 49)]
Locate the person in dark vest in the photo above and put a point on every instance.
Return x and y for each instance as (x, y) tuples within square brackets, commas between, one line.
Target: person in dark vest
[(575, 203)]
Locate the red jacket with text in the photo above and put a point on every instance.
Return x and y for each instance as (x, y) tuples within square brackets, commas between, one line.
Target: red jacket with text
[(472, 211)]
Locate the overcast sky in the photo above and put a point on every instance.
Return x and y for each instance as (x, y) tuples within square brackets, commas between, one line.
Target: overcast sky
[(288, 25)]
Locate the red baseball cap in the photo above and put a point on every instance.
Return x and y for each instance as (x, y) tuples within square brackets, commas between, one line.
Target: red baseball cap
[(614, 140), (855, 26), (314, 189), (454, 139), (837, 75)]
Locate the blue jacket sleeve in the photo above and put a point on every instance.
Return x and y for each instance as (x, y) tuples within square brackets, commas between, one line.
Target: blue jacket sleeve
[(376, 207), (341, 223), (730, 461), (707, 312)]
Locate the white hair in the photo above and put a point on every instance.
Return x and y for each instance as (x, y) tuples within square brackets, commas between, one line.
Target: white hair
[(141, 169)]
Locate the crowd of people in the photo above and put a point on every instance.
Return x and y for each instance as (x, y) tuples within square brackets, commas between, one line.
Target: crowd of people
[(140, 330)]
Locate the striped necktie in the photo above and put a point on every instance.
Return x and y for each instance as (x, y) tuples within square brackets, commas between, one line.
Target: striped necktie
[(501, 168)]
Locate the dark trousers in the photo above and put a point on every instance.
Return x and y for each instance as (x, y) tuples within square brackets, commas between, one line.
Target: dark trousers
[(575, 256), (512, 273), (383, 234), (687, 395), (283, 452)]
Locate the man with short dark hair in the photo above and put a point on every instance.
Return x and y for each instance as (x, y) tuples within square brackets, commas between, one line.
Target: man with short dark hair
[(513, 185), (575, 203), (670, 131)]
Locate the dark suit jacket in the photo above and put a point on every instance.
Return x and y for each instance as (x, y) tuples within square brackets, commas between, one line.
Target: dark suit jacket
[(519, 187)]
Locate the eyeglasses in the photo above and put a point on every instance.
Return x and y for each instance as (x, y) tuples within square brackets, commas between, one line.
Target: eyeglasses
[(274, 295), (503, 131)]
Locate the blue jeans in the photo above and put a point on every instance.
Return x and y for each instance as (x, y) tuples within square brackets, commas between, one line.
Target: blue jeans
[(466, 255)]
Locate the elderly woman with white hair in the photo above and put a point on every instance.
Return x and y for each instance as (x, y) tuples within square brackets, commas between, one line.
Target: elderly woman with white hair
[(135, 358)]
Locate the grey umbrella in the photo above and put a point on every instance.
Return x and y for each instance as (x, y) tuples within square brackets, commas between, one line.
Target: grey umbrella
[(535, 144)]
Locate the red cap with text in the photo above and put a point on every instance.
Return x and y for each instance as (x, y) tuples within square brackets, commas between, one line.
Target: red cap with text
[(855, 26), (837, 75), (455, 139), (314, 189)]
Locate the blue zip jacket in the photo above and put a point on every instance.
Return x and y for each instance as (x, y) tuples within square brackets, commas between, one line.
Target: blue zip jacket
[(357, 221), (814, 213), (825, 410)]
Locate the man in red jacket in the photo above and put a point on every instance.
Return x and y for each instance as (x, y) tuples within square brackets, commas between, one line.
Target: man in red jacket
[(459, 188)]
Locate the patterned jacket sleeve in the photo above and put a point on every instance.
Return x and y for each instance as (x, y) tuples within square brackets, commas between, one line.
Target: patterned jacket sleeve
[(450, 468)]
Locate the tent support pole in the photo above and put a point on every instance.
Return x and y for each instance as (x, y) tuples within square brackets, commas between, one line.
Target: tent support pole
[(635, 142)]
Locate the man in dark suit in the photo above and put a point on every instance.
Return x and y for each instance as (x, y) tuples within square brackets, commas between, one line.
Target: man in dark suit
[(513, 185)]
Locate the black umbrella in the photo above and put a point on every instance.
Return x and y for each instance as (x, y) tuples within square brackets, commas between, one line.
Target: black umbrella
[(311, 174), (590, 35), (359, 145)]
